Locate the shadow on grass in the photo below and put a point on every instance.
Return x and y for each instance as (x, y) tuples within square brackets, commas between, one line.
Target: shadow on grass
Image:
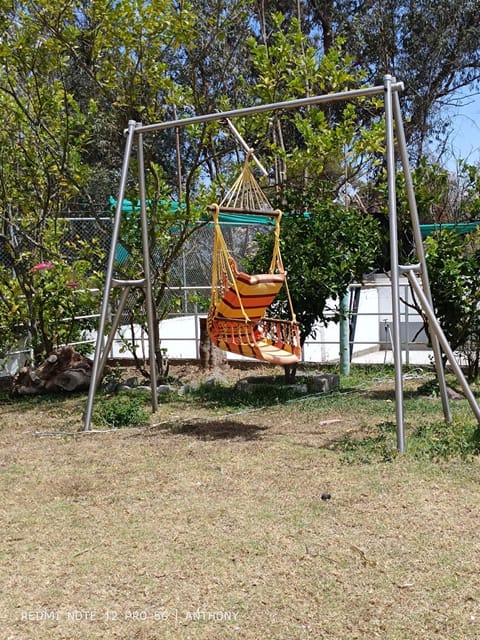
[(235, 397), (17, 403), (380, 394), (216, 430)]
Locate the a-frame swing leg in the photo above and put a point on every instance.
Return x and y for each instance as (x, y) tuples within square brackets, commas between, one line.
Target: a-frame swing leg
[(420, 252), (393, 116), (147, 275), (436, 329), (394, 270), (102, 347), (422, 293)]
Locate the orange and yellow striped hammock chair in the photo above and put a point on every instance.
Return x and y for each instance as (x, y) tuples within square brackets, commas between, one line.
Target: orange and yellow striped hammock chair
[(238, 319)]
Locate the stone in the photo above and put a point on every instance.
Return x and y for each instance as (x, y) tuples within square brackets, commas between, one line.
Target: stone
[(323, 383), (164, 389)]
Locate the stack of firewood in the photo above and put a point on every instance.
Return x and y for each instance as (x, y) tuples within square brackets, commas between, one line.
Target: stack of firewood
[(63, 370)]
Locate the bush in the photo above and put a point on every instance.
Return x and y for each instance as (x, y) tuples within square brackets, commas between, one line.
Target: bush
[(44, 290), (122, 410), (434, 441), (453, 263)]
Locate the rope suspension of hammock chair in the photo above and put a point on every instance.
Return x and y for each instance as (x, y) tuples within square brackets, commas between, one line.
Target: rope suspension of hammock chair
[(237, 320)]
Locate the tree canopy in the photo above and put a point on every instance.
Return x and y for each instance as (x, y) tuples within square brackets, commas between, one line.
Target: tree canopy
[(93, 65), (327, 247)]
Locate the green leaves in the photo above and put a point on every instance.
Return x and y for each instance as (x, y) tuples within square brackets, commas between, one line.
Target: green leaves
[(40, 298), (323, 250), (453, 263), (327, 141)]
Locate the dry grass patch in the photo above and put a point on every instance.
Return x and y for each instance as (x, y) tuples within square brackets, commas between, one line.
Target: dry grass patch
[(216, 528)]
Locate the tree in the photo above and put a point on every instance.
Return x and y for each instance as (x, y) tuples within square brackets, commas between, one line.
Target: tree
[(43, 135), (335, 144), (325, 248), (431, 46), (69, 82)]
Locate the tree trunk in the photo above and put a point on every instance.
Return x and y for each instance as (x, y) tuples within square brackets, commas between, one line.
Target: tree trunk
[(211, 357), (290, 373)]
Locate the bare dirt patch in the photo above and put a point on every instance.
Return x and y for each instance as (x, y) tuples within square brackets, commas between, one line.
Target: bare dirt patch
[(216, 528)]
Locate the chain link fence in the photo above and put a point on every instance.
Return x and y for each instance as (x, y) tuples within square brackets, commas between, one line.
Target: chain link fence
[(188, 286), (187, 298)]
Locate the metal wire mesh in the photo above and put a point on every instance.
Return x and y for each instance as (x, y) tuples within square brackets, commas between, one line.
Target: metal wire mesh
[(189, 277), (187, 292)]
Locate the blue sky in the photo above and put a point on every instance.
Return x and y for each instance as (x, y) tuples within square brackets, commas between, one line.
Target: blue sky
[(465, 139)]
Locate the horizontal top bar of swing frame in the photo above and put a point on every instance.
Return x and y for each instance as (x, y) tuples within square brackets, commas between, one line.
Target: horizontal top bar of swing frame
[(289, 104)]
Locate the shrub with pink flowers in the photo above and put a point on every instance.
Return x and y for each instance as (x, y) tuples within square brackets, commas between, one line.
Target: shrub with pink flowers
[(47, 293)]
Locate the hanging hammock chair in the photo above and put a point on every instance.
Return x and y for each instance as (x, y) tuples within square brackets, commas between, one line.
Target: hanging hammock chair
[(237, 319)]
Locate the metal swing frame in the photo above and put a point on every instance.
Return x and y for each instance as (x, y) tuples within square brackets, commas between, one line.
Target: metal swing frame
[(416, 274)]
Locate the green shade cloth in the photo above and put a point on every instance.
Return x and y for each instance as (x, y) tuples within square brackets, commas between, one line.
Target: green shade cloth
[(232, 219), (460, 228), (226, 218)]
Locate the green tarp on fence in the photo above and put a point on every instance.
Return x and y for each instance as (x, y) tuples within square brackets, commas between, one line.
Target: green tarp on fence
[(459, 227)]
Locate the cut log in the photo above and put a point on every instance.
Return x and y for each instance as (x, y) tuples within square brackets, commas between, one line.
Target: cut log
[(63, 370)]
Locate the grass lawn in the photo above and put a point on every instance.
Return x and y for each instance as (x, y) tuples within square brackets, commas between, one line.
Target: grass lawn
[(212, 523)]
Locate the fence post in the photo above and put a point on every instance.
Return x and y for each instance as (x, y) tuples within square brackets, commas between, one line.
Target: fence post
[(344, 335)]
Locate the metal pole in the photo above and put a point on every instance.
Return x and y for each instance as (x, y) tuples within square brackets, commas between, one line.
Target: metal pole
[(184, 279), (435, 325), (344, 335), (147, 275), (405, 324), (113, 329), (245, 146), (108, 278), (274, 106), (420, 252), (394, 266)]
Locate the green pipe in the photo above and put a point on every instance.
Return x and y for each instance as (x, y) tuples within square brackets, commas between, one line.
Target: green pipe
[(344, 335)]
